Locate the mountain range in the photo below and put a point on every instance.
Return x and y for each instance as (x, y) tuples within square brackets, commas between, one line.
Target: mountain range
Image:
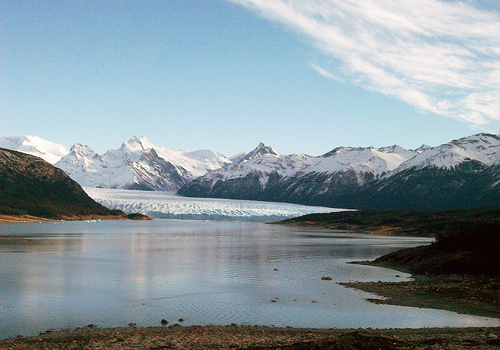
[(136, 165), (461, 173)]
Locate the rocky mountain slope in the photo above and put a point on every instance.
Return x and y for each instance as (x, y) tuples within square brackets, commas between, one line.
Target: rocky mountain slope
[(31, 186), (462, 173)]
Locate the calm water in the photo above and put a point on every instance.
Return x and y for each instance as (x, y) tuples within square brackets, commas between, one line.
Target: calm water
[(70, 274)]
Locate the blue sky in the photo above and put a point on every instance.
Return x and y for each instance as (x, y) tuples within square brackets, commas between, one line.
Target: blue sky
[(301, 76)]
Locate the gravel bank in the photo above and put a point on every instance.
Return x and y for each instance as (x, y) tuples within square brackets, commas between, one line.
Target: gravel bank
[(257, 337)]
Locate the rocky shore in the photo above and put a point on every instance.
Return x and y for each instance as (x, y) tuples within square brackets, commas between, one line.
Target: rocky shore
[(259, 337), (472, 295)]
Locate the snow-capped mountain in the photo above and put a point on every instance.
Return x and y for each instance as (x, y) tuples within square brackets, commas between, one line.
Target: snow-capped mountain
[(264, 174), (138, 164), (34, 145), (464, 172), (484, 148), (461, 173), (261, 150)]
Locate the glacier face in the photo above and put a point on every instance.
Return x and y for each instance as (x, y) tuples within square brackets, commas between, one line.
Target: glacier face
[(169, 205)]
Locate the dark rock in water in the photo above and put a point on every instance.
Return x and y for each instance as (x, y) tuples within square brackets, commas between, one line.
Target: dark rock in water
[(164, 322), (138, 216), (327, 278)]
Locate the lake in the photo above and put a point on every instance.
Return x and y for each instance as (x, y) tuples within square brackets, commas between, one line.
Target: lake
[(60, 275)]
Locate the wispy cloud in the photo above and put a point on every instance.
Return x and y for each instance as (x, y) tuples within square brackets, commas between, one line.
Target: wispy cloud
[(442, 57)]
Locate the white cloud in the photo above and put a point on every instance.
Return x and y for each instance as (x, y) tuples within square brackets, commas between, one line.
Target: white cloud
[(442, 57), (326, 73)]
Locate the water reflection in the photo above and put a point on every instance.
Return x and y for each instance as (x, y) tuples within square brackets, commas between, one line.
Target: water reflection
[(39, 243), (112, 273)]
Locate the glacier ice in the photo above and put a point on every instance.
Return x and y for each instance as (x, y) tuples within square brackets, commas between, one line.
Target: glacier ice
[(169, 205)]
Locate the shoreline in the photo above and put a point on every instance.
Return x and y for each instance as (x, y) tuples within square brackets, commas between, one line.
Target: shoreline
[(29, 218), (464, 294), (437, 292), (259, 337)]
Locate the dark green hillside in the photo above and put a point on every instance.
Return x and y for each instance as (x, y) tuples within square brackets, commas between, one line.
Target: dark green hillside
[(409, 222), (31, 186), (468, 185), (473, 250)]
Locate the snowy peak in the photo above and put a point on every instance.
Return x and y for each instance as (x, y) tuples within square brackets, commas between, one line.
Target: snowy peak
[(208, 159), (82, 164), (262, 174), (137, 144), (365, 159), (423, 148), (339, 150), (405, 153), (81, 151), (262, 149), (483, 148), (34, 145)]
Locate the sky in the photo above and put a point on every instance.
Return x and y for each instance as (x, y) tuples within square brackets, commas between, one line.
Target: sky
[(303, 76)]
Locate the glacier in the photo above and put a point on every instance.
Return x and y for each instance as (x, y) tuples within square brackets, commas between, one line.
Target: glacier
[(168, 205)]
